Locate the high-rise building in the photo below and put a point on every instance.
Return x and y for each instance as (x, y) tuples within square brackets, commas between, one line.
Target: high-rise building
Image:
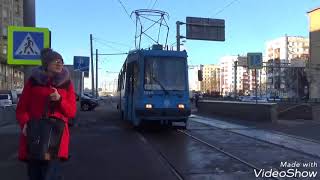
[(314, 63), (228, 80), (194, 84), (211, 81), (288, 48), (13, 13), (282, 55)]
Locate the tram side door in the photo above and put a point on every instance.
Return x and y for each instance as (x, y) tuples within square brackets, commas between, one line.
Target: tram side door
[(132, 89)]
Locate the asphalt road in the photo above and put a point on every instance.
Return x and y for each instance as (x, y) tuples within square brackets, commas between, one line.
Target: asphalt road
[(104, 147)]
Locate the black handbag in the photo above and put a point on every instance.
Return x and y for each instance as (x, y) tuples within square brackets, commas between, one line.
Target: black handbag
[(44, 136)]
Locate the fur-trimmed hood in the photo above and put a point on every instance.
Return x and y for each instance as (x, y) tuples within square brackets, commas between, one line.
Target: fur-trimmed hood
[(40, 77)]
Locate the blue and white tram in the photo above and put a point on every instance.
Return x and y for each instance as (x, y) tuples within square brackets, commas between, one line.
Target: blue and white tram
[(153, 86)]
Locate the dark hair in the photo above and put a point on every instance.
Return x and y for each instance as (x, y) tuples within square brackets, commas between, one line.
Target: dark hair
[(48, 55), (44, 52)]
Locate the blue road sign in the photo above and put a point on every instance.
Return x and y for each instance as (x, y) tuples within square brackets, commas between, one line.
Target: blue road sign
[(254, 60), (81, 63), (25, 44)]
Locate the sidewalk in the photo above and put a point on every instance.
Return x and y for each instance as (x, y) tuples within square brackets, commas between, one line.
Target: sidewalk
[(101, 147), (308, 129)]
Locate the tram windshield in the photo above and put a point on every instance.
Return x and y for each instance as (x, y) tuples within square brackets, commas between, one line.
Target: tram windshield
[(165, 73)]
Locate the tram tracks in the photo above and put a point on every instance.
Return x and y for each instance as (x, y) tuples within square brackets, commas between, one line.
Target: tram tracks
[(216, 149), (162, 157), (203, 141), (248, 164), (238, 132)]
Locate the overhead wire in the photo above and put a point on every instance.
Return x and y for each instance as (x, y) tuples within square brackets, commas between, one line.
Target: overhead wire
[(149, 4), (107, 45), (154, 4), (112, 42), (125, 9), (225, 7)]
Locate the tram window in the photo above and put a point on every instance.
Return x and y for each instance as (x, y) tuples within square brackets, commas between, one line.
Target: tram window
[(166, 72), (123, 80), (118, 83), (135, 75)]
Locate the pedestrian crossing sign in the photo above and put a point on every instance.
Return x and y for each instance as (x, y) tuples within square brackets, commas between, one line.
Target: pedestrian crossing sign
[(25, 44)]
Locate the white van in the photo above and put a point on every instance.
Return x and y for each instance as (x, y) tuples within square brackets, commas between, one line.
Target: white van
[(5, 100)]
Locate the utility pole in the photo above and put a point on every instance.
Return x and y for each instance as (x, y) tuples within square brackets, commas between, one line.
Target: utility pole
[(255, 79), (178, 23), (81, 84), (92, 72), (97, 73), (273, 78), (235, 79), (260, 82), (178, 35)]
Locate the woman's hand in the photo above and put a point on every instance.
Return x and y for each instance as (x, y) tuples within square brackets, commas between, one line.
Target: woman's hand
[(24, 129), (55, 96)]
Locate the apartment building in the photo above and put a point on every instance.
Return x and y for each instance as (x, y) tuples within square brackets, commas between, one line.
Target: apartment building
[(285, 55), (211, 79)]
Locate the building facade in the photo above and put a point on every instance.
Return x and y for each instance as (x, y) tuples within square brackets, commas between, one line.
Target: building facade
[(234, 76), (284, 55), (194, 84), (211, 81), (313, 72), (11, 13)]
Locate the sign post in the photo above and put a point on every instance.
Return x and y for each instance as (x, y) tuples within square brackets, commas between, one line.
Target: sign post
[(202, 29), (255, 62), (81, 63)]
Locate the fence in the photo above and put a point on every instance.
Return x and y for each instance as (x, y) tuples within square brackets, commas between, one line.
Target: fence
[(278, 80)]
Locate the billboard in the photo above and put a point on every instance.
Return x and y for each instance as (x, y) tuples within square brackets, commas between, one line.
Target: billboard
[(242, 61), (205, 29)]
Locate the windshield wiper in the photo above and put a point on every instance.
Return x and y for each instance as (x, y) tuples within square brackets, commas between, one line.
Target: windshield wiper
[(161, 85)]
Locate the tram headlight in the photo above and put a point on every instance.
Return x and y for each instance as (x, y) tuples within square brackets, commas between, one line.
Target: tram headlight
[(181, 106), (148, 106)]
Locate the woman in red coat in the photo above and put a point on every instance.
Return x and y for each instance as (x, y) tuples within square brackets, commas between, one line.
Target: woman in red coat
[(51, 80)]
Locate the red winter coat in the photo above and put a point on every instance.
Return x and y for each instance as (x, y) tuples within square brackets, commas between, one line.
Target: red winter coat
[(31, 106)]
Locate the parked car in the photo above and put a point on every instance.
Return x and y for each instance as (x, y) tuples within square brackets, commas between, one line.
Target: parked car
[(93, 96), (13, 95), (254, 99), (89, 95), (5, 100), (87, 103), (240, 98), (274, 99)]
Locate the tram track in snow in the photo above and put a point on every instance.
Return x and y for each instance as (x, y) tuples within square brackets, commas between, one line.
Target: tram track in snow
[(237, 131), (248, 164), (214, 149)]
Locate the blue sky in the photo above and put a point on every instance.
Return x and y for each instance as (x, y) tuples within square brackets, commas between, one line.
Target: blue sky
[(249, 24)]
